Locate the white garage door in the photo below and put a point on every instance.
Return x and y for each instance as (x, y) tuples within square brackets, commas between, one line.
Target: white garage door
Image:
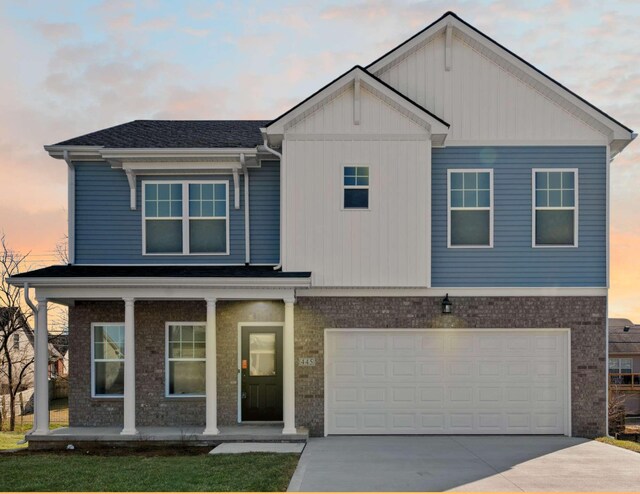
[(446, 381)]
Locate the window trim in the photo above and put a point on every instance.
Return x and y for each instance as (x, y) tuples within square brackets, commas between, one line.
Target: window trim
[(345, 187), (450, 208), (93, 361), (185, 218), (167, 324), (575, 208)]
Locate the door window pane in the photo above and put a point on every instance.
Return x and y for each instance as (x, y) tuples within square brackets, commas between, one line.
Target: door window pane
[(262, 354)]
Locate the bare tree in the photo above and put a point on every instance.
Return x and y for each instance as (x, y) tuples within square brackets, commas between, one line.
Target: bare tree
[(616, 410), (15, 363), (62, 250)]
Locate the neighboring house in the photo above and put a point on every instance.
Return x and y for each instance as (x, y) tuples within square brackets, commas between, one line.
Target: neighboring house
[(624, 362), (419, 247), (21, 349)]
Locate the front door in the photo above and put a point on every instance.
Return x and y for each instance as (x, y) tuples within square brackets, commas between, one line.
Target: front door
[(261, 371)]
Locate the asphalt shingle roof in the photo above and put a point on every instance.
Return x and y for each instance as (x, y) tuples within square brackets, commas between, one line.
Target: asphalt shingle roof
[(621, 341), (175, 134)]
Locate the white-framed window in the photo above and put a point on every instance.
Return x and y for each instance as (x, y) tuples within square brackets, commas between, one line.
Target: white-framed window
[(107, 359), (185, 217), (621, 365), (16, 341), (470, 208), (355, 181), (185, 359), (555, 207)]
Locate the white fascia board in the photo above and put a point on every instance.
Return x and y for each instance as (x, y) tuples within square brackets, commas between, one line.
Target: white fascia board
[(433, 125), (162, 282), (455, 292), (124, 153), (617, 131), (101, 153), (67, 294)]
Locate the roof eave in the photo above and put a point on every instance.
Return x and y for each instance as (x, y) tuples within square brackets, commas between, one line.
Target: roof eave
[(100, 281)]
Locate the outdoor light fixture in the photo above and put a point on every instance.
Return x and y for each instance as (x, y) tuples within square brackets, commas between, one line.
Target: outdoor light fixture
[(626, 329), (446, 305)]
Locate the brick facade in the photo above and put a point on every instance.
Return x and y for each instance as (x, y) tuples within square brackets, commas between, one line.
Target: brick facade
[(586, 316)]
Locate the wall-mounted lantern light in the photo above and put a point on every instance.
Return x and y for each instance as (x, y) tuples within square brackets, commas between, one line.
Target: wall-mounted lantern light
[(626, 329), (446, 305)]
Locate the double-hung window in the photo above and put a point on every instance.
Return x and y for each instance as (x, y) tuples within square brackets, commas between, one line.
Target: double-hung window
[(108, 359), (186, 217), (186, 346), (470, 199), (555, 208), (356, 187)]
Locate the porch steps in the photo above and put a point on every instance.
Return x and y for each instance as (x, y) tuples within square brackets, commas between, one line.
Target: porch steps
[(264, 447)]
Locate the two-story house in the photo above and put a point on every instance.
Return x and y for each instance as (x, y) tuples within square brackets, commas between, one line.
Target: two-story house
[(419, 247)]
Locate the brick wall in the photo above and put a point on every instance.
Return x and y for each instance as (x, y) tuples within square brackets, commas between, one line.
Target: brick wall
[(585, 316), (152, 407)]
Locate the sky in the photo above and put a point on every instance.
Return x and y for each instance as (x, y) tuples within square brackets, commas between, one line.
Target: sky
[(71, 67)]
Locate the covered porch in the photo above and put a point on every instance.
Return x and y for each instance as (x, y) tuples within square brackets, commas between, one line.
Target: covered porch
[(163, 436), (150, 289)]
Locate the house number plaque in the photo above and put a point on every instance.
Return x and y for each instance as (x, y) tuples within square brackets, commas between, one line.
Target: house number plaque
[(306, 362)]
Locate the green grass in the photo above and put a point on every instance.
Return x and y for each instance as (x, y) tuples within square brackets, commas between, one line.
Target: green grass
[(8, 440), (630, 445), (78, 471)]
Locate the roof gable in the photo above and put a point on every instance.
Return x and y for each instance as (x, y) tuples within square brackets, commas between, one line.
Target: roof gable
[(618, 134), (358, 75)]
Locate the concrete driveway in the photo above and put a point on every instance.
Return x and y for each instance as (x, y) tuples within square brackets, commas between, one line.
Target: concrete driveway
[(465, 463)]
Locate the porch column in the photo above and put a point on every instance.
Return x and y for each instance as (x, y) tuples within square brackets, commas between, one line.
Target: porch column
[(41, 390), (211, 399), (288, 378), (129, 428)]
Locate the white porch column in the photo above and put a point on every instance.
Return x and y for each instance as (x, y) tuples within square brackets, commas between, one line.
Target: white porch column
[(288, 378), (41, 401), (211, 399), (129, 428)]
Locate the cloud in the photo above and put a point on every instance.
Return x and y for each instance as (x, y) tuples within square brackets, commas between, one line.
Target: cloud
[(58, 31)]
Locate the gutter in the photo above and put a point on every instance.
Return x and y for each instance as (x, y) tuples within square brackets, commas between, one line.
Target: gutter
[(71, 208), (279, 155)]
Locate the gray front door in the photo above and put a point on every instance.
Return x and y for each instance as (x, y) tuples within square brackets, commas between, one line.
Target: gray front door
[(261, 371)]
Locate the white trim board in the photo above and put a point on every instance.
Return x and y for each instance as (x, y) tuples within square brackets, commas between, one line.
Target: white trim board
[(454, 292)]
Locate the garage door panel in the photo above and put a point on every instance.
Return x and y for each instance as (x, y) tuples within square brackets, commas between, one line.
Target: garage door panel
[(432, 382)]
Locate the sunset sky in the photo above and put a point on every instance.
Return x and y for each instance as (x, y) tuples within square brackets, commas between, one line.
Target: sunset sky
[(73, 67)]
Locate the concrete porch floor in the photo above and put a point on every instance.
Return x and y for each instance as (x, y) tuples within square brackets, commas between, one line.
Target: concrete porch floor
[(157, 436)]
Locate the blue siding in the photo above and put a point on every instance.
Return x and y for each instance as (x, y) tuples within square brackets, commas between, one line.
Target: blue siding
[(264, 213), (512, 261), (109, 232)]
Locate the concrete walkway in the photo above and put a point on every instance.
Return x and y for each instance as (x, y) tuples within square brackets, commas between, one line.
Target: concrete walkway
[(464, 463)]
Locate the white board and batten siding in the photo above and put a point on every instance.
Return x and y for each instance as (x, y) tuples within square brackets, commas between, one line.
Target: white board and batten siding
[(453, 381), (482, 101), (385, 246)]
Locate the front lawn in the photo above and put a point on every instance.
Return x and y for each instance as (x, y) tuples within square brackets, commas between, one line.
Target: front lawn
[(80, 471), (8, 440), (630, 445)]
